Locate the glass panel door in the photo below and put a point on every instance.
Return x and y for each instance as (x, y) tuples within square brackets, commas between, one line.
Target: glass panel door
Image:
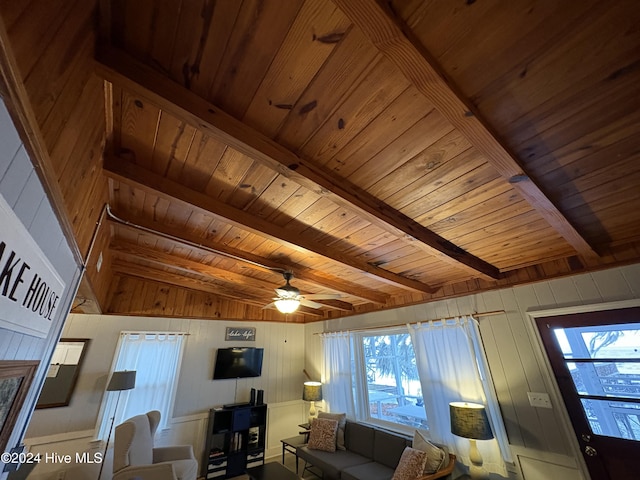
[(595, 358)]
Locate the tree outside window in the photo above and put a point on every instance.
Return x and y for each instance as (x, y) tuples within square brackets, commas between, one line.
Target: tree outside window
[(393, 388)]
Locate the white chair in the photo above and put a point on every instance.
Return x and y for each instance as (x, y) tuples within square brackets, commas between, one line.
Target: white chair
[(134, 456)]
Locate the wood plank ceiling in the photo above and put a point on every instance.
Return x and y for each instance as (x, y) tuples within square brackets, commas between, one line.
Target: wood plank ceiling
[(391, 154)]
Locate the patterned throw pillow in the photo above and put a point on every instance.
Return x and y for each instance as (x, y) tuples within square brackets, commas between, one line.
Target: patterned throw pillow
[(435, 454), (411, 464), (341, 418), (323, 435)]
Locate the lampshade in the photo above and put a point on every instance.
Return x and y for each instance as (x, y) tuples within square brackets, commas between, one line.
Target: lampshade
[(287, 305), (469, 420), (123, 380), (312, 391)]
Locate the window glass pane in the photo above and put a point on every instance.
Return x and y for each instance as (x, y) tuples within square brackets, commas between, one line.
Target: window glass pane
[(613, 419), (602, 341), (606, 378), (393, 388), (613, 341), (565, 346)]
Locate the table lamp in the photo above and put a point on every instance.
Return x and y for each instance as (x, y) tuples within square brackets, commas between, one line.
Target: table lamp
[(469, 420), (312, 392)]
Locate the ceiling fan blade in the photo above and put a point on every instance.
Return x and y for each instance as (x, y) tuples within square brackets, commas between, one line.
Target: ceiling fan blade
[(270, 305), (309, 303), (323, 296)]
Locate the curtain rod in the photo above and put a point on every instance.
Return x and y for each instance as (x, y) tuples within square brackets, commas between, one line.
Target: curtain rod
[(377, 327), (134, 332)]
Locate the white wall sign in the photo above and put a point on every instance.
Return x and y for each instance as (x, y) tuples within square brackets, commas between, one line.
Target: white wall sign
[(30, 288)]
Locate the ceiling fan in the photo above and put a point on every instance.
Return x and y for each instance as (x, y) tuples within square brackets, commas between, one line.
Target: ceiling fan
[(289, 298)]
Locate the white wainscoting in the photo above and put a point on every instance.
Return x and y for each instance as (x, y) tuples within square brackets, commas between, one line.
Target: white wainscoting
[(537, 465), (283, 420)]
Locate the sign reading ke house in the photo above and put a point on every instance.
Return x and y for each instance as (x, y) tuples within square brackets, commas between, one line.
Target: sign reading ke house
[(30, 288)]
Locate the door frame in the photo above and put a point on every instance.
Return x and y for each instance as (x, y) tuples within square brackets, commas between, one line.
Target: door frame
[(549, 378)]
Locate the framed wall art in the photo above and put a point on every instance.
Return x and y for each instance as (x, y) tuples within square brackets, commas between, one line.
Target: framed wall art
[(63, 372), (15, 378)]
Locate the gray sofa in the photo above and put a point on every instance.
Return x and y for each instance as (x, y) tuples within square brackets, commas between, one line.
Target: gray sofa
[(371, 454)]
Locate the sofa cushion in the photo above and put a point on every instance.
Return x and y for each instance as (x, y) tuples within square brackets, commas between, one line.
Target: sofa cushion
[(388, 448), (411, 464), (436, 456), (359, 439), (331, 463), (341, 418), (323, 435), (367, 471)]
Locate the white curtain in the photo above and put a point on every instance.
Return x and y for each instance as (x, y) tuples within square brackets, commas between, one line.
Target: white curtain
[(452, 368), (156, 359), (337, 382)]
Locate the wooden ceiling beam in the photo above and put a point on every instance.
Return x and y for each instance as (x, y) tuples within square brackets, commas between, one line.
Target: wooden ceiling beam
[(175, 262), (157, 185), (204, 245), (132, 269), (394, 40), (133, 252), (156, 275), (118, 67), (185, 238), (337, 304)]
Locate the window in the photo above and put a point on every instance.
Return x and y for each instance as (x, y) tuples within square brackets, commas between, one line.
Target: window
[(156, 359), (405, 378), (604, 362), (385, 371)]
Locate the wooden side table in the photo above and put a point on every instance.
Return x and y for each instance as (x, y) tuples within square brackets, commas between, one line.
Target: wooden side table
[(290, 445)]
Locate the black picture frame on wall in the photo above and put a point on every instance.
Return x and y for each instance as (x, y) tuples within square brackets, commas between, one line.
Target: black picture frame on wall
[(63, 373), (15, 379)]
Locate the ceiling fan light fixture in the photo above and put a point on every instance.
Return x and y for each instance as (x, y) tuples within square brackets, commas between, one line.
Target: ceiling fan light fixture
[(287, 305)]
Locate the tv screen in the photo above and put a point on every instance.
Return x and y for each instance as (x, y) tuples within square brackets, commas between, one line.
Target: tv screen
[(237, 362)]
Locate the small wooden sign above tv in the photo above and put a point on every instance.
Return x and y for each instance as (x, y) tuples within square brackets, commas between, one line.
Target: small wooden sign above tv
[(242, 334)]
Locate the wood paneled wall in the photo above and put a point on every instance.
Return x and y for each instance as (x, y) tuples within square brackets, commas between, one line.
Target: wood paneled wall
[(281, 379), (516, 365)]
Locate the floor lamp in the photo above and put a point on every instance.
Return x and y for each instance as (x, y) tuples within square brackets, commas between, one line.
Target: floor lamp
[(123, 380), (469, 420)]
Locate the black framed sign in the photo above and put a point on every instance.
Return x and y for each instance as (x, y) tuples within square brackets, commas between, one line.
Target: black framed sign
[(242, 334)]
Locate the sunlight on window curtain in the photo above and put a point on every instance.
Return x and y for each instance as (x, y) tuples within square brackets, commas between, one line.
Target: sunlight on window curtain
[(337, 385), (156, 359), (452, 368)]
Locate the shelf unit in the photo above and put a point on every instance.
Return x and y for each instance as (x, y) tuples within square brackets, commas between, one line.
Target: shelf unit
[(235, 440)]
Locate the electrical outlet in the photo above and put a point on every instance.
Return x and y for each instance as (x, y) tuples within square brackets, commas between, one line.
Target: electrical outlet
[(539, 399), (61, 475)]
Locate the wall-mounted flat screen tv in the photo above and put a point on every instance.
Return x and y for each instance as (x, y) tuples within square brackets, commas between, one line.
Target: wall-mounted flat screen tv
[(238, 362)]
